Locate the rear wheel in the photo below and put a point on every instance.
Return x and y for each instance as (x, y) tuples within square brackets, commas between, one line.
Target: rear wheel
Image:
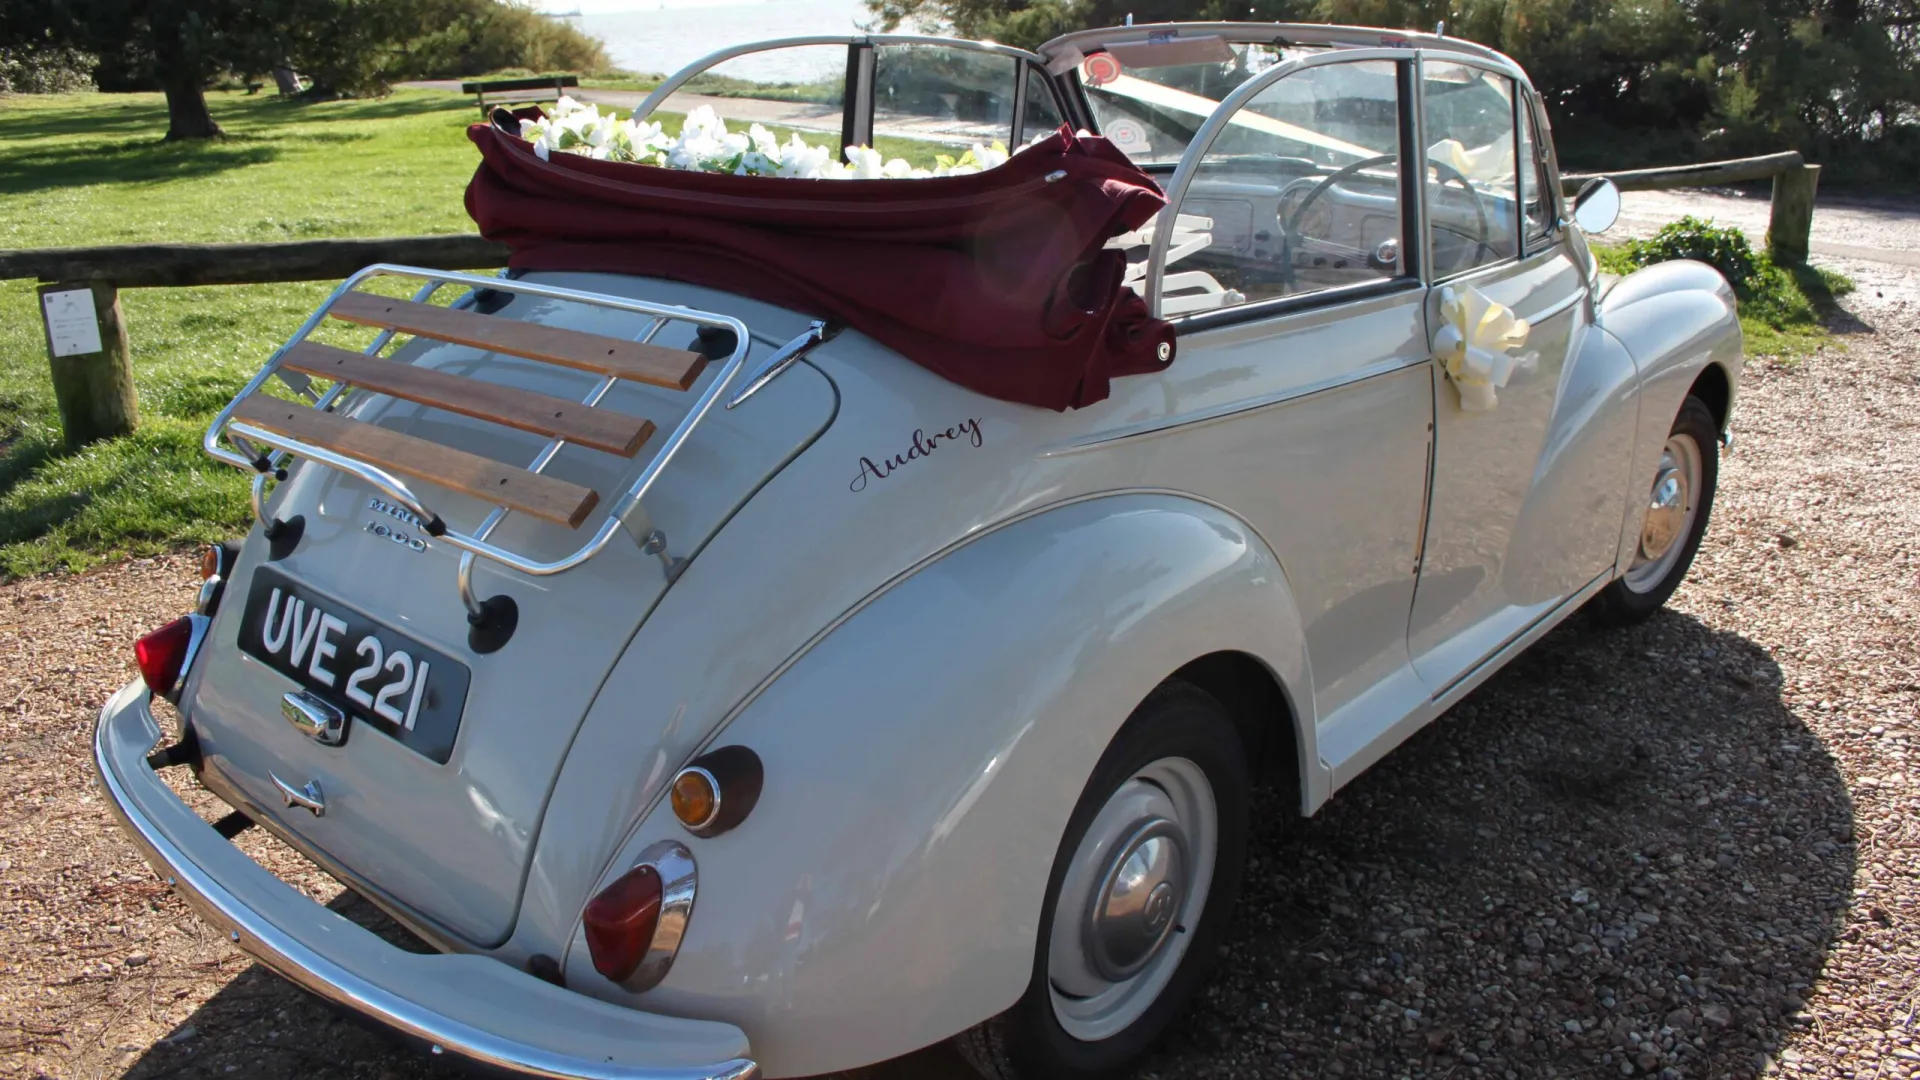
[(1678, 504), (1141, 891)]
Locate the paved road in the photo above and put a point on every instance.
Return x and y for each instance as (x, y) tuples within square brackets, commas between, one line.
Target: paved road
[(1883, 230)]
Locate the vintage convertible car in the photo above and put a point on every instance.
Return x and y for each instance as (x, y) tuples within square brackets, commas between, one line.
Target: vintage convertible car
[(872, 711)]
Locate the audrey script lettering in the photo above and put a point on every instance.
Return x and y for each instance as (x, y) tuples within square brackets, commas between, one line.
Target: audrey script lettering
[(923, 446)]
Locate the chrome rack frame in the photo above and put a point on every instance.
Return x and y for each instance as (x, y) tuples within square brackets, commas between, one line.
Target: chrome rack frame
[(246, 438)]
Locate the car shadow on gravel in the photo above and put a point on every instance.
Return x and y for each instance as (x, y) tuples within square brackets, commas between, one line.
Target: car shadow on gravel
[(1622, 856), (260, 1025)]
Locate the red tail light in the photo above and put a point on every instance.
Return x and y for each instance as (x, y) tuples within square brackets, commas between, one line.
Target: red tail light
[(163, 654), (621, 920)]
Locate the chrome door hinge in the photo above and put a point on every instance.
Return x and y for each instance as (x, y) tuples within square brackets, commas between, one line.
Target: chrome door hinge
[(820, 331)]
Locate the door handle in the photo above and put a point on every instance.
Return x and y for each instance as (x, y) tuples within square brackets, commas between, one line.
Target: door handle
[(308, 796)]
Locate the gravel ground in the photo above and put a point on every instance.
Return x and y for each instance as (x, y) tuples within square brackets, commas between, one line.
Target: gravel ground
[(1691, 849)]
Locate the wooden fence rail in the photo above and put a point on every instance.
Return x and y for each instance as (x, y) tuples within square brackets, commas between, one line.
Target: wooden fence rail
[(93, 377), (142, 266), (1790, 222)]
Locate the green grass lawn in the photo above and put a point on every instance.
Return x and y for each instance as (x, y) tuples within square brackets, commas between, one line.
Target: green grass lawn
[(91, 169)]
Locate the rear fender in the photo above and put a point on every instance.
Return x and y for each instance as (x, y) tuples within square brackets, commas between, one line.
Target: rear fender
[(922, 758)]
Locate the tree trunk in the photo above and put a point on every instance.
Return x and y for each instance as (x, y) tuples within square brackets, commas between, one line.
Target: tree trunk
[(187, 115)]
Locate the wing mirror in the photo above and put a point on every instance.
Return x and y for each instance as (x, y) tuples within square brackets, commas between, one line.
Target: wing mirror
[(1597, 206)]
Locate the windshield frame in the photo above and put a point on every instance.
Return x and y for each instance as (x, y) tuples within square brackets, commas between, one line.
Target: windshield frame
[(1230, 106), (857, 101)]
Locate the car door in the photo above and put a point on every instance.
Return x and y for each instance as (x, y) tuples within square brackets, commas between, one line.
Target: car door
[(1526, 492), (1302, 391)]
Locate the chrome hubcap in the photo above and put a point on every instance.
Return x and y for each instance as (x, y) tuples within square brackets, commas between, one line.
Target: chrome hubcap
[(1671, 509), (1666, 513), (1133, 891), (1133, 913)]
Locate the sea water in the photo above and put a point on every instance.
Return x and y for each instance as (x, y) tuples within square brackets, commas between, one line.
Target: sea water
[(666, 35)]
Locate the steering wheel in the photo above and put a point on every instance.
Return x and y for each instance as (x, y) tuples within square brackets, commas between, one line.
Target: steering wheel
[(1291, 226)]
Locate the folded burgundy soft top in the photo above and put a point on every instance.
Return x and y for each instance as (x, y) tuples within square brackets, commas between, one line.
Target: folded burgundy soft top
[(998, 281)]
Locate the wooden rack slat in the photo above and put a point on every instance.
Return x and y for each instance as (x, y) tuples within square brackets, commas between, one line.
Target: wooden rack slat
[(456, 470), (675, 369), (602, 429)]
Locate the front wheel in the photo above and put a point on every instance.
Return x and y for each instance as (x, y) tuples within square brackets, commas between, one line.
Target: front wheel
[(1678, 504), (1141, 891)]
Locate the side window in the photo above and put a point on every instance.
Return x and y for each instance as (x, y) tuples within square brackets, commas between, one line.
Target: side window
[(1536, 183), (1042, 117), (793, 89), (1472, 213), (1299, 192), (930, 100)]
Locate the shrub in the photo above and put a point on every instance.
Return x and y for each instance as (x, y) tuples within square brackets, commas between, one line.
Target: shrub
[(1720, 246), (45, 71), (1781, 307), (471, 36)]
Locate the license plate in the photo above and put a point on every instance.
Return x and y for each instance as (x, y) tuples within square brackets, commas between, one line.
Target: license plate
[(372, 672)]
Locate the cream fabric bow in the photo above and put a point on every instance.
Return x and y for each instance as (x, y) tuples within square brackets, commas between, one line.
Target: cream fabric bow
[(1473, 345), (1484, 166)]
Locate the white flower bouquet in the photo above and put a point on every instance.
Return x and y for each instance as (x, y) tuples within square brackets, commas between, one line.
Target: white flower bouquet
[(705, 145)]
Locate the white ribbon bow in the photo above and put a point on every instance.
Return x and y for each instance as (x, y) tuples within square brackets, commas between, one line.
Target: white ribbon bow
[(1473, 345)]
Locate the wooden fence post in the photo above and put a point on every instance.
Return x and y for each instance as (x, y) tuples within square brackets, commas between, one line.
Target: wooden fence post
[(92, 371), (1790, 229)]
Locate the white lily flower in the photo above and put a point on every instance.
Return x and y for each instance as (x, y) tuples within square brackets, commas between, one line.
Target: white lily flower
[(865, 163), (991, 157), (704, 144), (764, 141)]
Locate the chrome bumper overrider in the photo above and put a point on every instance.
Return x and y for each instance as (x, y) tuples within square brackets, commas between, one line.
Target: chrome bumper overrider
[(471, 1006)]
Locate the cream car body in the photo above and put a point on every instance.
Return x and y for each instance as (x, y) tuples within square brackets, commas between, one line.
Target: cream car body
[(929, 613)]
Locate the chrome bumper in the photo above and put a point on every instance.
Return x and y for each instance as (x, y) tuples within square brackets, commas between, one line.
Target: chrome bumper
[(471, 1006)]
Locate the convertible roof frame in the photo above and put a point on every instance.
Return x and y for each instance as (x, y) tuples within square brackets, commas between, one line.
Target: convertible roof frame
[(680, 78), (1066, 46)]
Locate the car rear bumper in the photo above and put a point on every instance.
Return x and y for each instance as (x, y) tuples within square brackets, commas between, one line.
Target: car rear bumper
[(471, 1006)]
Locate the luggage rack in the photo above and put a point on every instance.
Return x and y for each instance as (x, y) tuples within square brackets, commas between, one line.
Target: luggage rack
[(380, 456)]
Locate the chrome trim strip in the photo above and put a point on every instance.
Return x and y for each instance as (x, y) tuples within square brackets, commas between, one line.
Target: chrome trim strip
[(201, 624), (788, 355), (678, 882), (320, 974)]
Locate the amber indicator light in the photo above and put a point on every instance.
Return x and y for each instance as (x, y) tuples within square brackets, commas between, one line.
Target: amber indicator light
[(717, 790), (696, 800)]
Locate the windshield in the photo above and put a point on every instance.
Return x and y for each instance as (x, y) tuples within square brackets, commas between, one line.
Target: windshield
[(1151, 111)]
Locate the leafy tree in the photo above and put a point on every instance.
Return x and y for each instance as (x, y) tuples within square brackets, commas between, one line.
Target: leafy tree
[(1626, 81), (178, 44), (344, 46)]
